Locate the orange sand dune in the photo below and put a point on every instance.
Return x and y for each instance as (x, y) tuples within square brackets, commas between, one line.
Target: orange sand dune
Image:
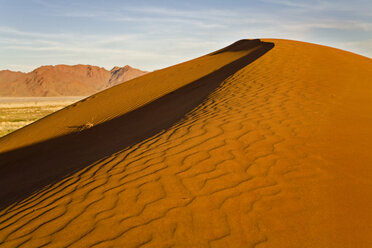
[(260, 144)]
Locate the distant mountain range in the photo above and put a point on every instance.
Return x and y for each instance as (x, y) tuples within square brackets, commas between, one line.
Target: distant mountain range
[(64, 80)]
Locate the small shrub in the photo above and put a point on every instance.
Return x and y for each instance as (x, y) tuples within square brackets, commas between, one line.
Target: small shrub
[(86, 126)]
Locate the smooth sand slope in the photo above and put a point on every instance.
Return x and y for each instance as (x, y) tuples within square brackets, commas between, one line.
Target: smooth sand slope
[(260, 144)]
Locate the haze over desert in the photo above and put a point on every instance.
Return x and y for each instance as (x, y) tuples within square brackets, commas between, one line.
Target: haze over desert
[(215, 141)]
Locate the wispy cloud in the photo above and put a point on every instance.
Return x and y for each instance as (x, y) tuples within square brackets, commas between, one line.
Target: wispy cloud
[(103, 50), (324, 5), (214, 18), (14, 31)]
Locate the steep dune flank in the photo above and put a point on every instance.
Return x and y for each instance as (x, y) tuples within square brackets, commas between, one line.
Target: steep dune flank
[(63, 80), (275, 153)]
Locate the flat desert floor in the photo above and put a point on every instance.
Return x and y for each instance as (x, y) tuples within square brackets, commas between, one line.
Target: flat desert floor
[(17, 112), (260, 144)]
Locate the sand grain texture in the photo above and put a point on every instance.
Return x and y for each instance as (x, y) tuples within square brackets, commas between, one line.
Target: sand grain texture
[(254, 145)]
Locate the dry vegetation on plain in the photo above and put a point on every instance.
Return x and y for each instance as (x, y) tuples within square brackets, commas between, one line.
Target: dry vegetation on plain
[(17, 112)]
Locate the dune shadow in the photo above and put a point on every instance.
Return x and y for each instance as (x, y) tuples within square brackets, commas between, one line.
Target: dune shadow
[(26, 170), (241, 45)]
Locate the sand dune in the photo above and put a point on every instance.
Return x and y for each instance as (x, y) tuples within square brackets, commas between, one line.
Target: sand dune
[(63, 80), (260, 144)]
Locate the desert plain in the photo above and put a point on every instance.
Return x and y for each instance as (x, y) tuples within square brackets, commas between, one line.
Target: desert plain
[(17, 112)]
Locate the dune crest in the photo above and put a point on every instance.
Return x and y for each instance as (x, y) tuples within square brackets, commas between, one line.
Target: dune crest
[(260, 144)]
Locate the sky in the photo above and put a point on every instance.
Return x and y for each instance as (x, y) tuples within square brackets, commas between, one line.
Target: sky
[(152, 35)]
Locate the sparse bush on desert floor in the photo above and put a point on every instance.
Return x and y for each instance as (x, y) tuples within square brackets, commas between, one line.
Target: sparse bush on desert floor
[(86, 126)]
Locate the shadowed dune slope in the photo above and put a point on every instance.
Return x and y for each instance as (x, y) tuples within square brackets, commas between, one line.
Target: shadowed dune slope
[(254, 145)]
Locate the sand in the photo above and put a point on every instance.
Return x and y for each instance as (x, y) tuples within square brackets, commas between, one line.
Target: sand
[(261, 144)]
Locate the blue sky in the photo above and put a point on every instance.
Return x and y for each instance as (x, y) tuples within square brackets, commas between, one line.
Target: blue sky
[(154, 34)]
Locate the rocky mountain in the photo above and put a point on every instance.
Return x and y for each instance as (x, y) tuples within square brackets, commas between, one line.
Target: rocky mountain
[(64, 80)]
